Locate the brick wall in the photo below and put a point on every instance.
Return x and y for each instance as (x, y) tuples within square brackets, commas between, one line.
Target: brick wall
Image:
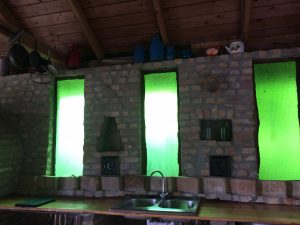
[(115, 91), (227, 189), (10, 155), (28, 102)]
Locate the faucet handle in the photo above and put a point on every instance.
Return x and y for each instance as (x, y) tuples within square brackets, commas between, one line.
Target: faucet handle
[(163, 195)]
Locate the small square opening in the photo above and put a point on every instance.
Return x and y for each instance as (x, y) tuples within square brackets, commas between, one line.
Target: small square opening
[(220, 166)]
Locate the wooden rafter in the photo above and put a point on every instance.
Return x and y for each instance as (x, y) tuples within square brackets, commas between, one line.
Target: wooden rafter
[(11, 25), (161, 21), (88, 31), (246, 18)]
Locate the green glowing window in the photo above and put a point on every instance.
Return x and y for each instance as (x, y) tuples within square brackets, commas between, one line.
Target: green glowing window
[(161, 123), (278, 133), (69, 127)]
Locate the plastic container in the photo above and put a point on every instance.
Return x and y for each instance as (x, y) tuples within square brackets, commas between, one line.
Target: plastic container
[(139, 54), (156, 49), (170, 52)]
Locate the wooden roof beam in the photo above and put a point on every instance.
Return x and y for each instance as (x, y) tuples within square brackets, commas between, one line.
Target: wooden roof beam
[(161, 21), (246, 14), (11, 25), (88, 31)]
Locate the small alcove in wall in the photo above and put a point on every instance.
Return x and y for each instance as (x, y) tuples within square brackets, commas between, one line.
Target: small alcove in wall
[(110, 138), (219, 129)]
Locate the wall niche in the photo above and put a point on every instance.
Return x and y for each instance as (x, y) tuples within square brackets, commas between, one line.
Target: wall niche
[(219, 130), (110, 138)]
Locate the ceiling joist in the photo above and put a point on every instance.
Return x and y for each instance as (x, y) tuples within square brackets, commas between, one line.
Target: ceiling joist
[(87, 29), (161, 21), (246, 18), (11, 26)]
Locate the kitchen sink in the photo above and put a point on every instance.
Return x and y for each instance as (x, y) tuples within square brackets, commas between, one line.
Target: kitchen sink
[(139, 203), (182, 204), (154, 205)]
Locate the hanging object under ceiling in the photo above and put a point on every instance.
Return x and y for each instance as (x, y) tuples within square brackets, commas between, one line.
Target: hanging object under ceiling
[(73, 58)]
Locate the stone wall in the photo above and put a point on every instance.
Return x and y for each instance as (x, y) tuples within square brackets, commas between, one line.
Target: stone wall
[(115, 91), (228, 189), (10, 156), (28, 104)]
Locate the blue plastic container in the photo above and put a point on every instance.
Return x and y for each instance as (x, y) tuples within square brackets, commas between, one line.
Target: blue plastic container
[(139, 54), (156, 49), (170, 52)]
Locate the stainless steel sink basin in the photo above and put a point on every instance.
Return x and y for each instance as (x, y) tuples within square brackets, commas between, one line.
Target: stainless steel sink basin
[(182, 204), (153, 205), (139, 202)]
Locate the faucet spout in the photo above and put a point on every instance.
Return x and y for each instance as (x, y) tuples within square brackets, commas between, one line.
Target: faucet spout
[(163, 194)]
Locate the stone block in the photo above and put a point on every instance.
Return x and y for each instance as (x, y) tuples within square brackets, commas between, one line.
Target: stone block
[(134, 183), (215, 185), (243, 187), (295, 189), (48, 182), (274, 188), (156, 184), (188, 185), (89, 183), (66, 192), (272, 200), (218, 222), (28, 182), (110, 183), (69, 183)]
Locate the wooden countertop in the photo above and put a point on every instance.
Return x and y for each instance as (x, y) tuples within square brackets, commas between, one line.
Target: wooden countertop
[(208, 210)]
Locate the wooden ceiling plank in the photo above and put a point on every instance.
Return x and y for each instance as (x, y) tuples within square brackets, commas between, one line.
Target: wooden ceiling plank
[(204, 21), (216, 8), (246, 18), (161, 21), (88, 31), (12, 24), (262, 3), (275, 32), (276, 10), (7, 15), (274, 22), (291, 37), (202, 45)]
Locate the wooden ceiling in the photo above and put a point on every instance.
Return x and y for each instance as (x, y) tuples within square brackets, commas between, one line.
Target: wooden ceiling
[(106, 27)]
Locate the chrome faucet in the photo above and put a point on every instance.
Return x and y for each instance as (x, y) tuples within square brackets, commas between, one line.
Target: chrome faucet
[(163, 194)]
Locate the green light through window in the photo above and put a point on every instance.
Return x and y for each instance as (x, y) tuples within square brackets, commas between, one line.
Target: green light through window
[(161, 123), (69, 127), (279, 133)]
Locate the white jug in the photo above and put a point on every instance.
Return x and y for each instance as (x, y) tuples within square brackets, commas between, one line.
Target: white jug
[(235, 47)]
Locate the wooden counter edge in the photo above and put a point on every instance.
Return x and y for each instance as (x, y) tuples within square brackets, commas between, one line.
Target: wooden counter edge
[(208, 210)]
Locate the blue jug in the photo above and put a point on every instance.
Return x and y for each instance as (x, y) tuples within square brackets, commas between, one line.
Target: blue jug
[(156, 49)]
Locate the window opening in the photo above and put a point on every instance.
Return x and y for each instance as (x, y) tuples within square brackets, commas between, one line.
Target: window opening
[(278, 132), (161, 123), (69, 127)]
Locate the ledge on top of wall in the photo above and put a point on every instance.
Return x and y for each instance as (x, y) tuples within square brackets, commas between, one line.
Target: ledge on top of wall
[(230, 189)]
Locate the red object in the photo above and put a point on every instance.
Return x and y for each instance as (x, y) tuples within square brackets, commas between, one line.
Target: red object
[(73, 58)]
